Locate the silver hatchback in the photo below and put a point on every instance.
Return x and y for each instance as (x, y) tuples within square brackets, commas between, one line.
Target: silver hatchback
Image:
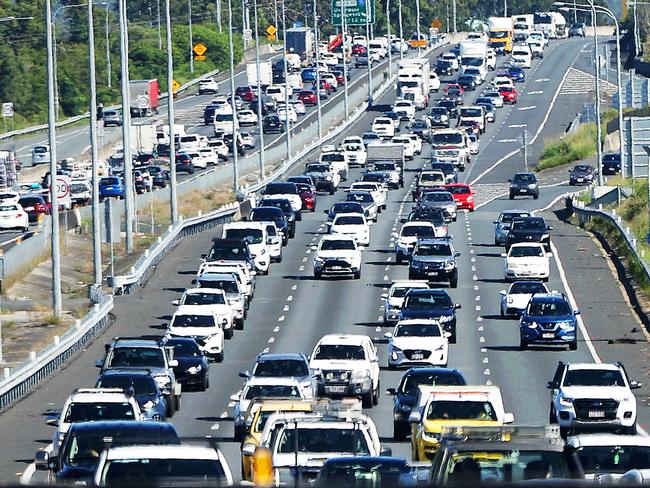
[(503, 223), (40, 155)]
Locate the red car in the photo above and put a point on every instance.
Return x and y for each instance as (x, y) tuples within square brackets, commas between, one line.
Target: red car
[(454, 86), (340, 79), (463, 195), (247, 93), (471, 127), (358, 50), (307, 97), (35, 206), (308, 196), (509, 94)]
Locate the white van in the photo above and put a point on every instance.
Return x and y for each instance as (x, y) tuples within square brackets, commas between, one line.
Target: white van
[(278, 92), (521, 56)]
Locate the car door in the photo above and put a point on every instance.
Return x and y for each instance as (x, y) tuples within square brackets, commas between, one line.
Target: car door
[(371, 354), (554, 384)]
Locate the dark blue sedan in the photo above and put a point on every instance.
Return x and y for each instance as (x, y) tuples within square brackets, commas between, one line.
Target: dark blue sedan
[(111, 187), (193, 367), (142, 385), (516, 74)]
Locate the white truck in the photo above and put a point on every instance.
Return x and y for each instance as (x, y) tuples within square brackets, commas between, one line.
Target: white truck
[(413, 81), (162, 133), (473, 54), (143, 139), (561, 30), (545, 22), (523, 23), (266, 73)]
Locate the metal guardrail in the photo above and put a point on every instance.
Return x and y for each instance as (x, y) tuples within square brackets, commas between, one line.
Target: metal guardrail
[(586, 214)]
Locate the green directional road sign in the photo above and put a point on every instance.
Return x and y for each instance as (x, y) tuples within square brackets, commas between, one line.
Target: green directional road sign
[(355, 12)]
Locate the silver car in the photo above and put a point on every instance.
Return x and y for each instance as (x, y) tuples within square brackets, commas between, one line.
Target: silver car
[(40, 155), (442, 200), (502, 224)]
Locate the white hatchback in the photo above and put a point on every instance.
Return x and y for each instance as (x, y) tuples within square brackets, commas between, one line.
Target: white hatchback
[(12, 216), (526, 260), (417, 342), (515, 300), (353, 225)]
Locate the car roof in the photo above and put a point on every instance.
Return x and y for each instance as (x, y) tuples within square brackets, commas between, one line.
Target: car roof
[(601, 366), (605, 439), (349, 339), (164, 451), (111, 426), (281, 356)]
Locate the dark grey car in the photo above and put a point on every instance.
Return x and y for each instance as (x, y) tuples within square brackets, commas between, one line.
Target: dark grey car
[(524, 184)]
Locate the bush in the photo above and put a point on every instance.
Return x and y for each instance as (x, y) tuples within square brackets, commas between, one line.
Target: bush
[(574, 147)]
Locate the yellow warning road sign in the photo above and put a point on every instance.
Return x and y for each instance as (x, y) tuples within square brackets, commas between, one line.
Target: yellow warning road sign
[(200, 49), (271, 37), (175, 86), (271, 30)]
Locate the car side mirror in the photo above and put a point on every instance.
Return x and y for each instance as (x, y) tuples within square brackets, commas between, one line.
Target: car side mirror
[(509, 180), (234, 397), (503, 292), (262, 191), (457, 306), (244, 374), (508, 418), (635, 385), (576, 311), (44, 462), (176, 303), (388, 335), (173, 363), (504, 255), (99, 363), (391, 391), (549, 254), (204, 256), (495, 222), (384, 296), (52, 421), (415, 417), (193, 281), (326, 212), (551, 385), (314, 248), (447, 334), (248, 449), (385, 451), (457, 253), (549, 227)]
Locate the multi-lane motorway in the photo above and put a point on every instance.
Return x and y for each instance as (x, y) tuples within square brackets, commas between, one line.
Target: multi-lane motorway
[(291, 310)]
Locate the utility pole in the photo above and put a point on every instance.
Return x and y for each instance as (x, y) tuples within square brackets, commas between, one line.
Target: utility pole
[(368, 53), (126, 126), (275, 13), (159, 27), (401, 31), (235, 156), (599, 150), (318, 105), (109, 81), (417, 17), (287, 123), (97, 241), (453, 14), (390, 55), (173, 201), (505, 8), (259, 93), (219, 16), (189, 23), (51, 119), (344, 31)]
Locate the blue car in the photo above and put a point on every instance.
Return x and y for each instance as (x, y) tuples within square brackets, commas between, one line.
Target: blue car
[(142, 385), (434, 305), (308, 74), (111, 187), (549, 320), (517, 74), (405, 396)]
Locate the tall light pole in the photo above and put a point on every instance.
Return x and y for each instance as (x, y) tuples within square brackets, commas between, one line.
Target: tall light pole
[(51, 120), (401, 31), (505, 8), (368, 52), (189, 24), (318, 105), (219, 15), (159, 26), (390, 55), (599, 149), (173, 198), (287, 123), (97, 241), (417, 20), (126, 126), (109, 80), (453, 15), (259, 93), (235, 155), (344, 31)]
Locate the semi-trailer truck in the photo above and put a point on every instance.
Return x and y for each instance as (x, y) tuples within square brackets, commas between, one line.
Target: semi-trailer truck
[(413, 81)]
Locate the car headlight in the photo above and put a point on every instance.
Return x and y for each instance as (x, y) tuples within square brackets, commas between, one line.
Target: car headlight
[(566, 401), (531, 325), (445, 318), (430, 436), (450, 264), (416, 264), (546, 236), (565, 325), (149, 405), (194, 369), (509, 300), (328, 178), (532, 186), (360, 374), (162, 380), (318, 259)]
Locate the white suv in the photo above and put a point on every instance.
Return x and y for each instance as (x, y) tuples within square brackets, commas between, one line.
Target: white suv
[(337, 255), (208, 85), (593, 396), (525, 260), (256, 236), (348, 366), (214, 300), (203, 324)]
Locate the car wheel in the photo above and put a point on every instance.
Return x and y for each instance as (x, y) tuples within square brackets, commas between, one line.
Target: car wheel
[(552, 416), (357, 275), (298, 216), (452, 338), (177, 402), (375, 395), (279, 259), (453, 282), (318, 275), (367, 400), (239, 324), (219, 357), (332, 190), (535, 196), (292, 233), (239, 433), (523, 345), (398, 258), (573, 346), (206, 383), (228, 333), (512, 196), (400, 431), (169, 408), (629, 430), (501, 313), (313, 209), (266, 271)]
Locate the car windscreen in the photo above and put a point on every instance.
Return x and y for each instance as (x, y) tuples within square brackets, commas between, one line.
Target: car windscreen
[(184, 348), (447, 138), (593, 377), (439, 111), (224, 118), (418, 231), (461, 410), (273, 391), (346, 207), (284, 205), (251, 235), (340, 441), (140, 384), (340, 351), (418, 330), (79, 188), (531, 224), (317, 168), (526, 252), (134, 357), (337, 245), (438, 196), (433, 249), (280, 188), (446, 168), (193, 321), (40, 150), (30, 201), (349, 220), (508, 217), (163, 472), (349, 472), (431, 177), (218, 253), (360, 197), (281, 368), (229, 286), (555, 308), (472, 61), (89, 412), (424, 302), (412, 381), (583, 168), (459, 190), (526, 288), (614, 459), (109, 181), (471, 112), (266, 214), (332, 157)]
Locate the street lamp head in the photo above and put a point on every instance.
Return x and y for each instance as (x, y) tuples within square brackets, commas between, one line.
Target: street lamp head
[(559, 4)]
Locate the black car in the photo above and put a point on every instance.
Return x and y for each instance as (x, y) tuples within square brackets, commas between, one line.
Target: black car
[(230, 250), (524, 184), (582, 174), (406, 394), (79, 452), (529, 229), (285, 205), (184, 164), (272, 124), (384, 470), (159, 175), (456, 95), (394, 116), (193, 365), (142, 385), (432, 304), (423, 214), (276, 215), (434, 260), (208, 114), (439, 116), (444, 67), (468, 82), (611, 164), (450, 105), (421, 129)]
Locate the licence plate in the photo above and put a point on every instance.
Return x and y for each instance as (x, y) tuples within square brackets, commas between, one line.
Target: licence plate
[(417, 356), (580, 180), (596, 414), (336, 268), (432, 273), (28, 209), (523, 190), (335, 389), (548, 335)]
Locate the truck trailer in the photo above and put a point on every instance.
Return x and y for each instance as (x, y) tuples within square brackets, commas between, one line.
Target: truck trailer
[(143, 97)]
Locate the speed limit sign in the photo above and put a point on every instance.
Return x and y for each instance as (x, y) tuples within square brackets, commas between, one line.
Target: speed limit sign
[(63, 196)]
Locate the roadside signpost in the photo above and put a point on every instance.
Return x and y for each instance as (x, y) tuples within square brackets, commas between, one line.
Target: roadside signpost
[(355, 12)]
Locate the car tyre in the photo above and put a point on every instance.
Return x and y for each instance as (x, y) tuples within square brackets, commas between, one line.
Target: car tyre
[(453, 282), (573, 346), (228, 333), (398, 258), (298, 216), (375, 395), (629, 430), (239, 324), (367, 399), (170, 410), (400, 431), (535, 196), (523, 345), (292, 233), (357, 275), (279, 259), (318, 275), (511, 196), (206, 383), (219, 357), (332, 190)]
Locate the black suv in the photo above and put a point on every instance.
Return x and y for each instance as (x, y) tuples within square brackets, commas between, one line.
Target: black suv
[(405, 395), (230, 250), (529, 229), (286, 207), (271, 124), (524, 184), (582, 174), (611, 164), (276, 215), (431, 304), (434, 260)]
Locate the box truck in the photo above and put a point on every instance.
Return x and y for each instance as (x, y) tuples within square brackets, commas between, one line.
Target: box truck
[(143, 97), (266, 73), (501, 34)]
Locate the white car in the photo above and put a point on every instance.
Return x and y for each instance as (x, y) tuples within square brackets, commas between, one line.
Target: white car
[(247, 117), (201, 323), (593, 395), (521, 56), (12, 216), (405, 109), (409, 147), (452, 58), (210, 156), (417, 342), (500, 81), (536, 49), (515, 300), (8, 195), (356, 153), (491, 60), (474, 147), (383, 127), (225, 124), (352, 140), (328, 58), (274, 241), (198, 160), (416, 142), (337, 255), (434, 82), (214, 300), (352, 225), (379, 192), (255, 234), (289, 113), (605, 456), (219, 147), (208, 85), (394, 298), (410, 233), (348, 366), (495, 98), (278, 92), (88, 404), (245, 277), (525, 260), (537, 36), (331, 79), (298, 107)]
